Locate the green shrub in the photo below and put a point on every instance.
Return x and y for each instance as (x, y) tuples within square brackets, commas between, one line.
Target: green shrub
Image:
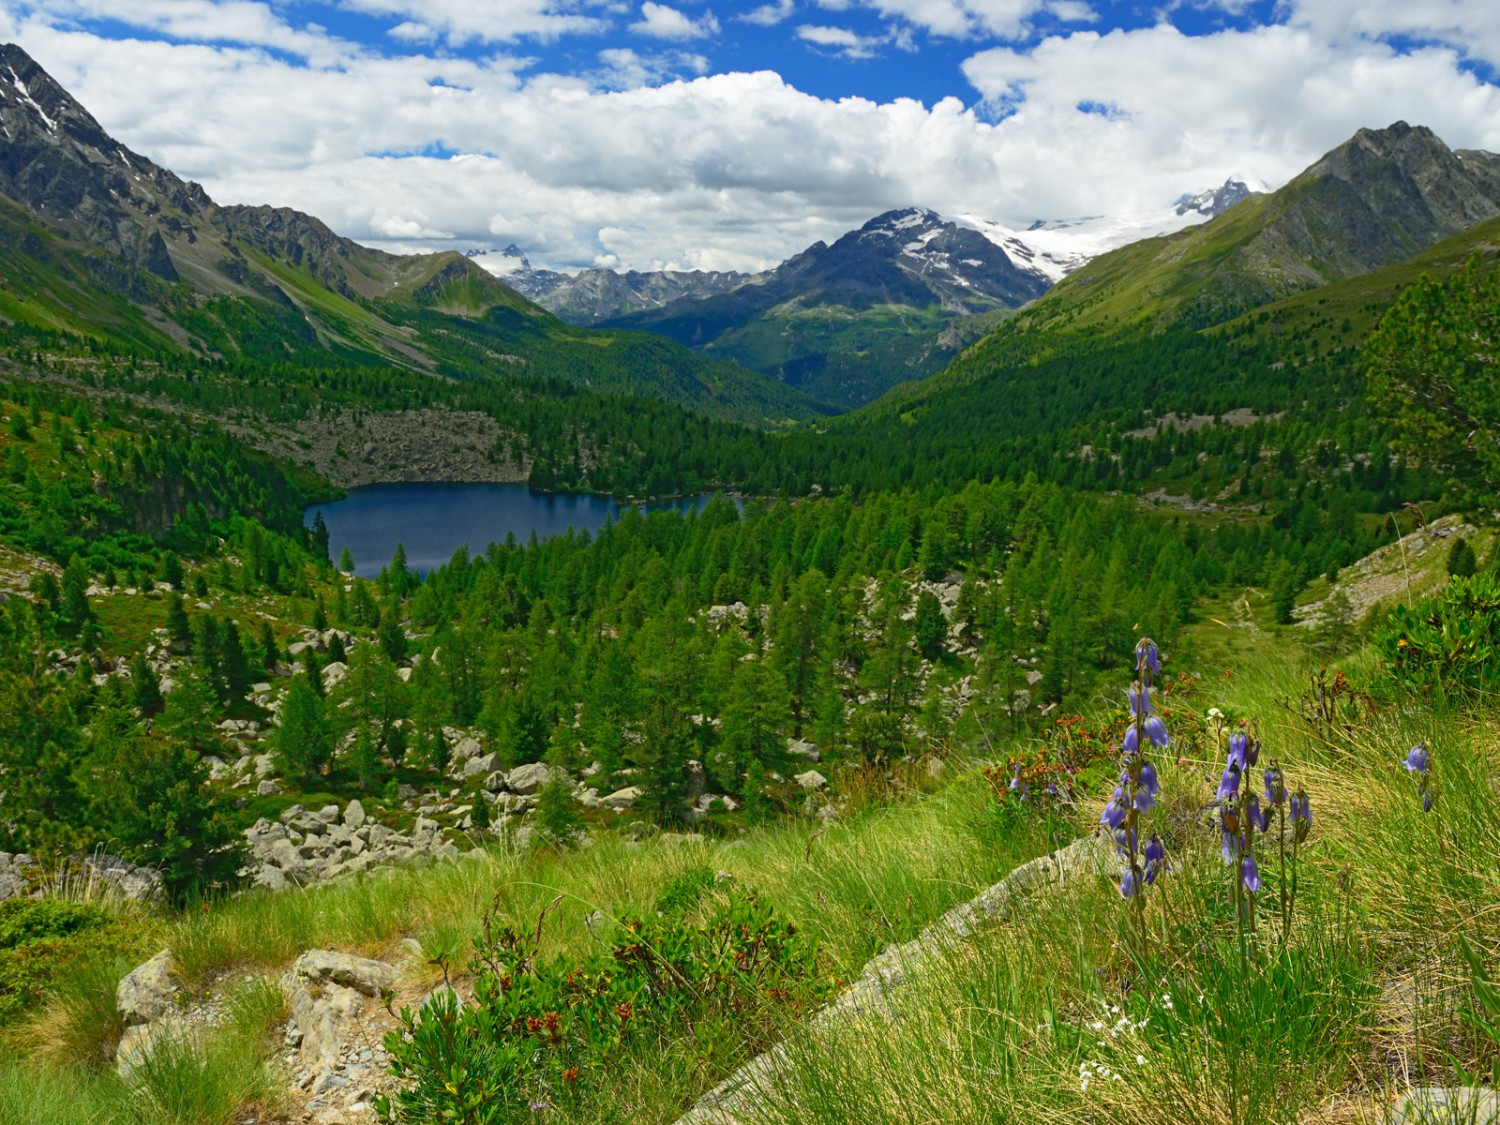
[(36, 937), (1447, 644), (553, 1033)]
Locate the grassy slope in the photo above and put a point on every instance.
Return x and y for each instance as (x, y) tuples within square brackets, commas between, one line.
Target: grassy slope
[(1008, 1024), (437, 314)]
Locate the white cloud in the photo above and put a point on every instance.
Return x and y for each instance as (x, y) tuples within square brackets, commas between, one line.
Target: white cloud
[(202, 21), (769, 15), (1471, 27), (488, 21), (662, 22), (622, 68), (841, 40), (739, 171), (964, 19)]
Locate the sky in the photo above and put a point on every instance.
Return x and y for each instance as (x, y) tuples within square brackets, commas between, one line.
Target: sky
[(698, 134)]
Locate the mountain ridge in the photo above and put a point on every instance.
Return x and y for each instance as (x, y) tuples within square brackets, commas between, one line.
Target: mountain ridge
[(101, 241)]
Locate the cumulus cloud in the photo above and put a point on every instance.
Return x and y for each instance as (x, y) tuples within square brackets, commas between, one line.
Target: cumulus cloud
[(639, 166), (662, 22), (202, 21), (1471, 27), (967, 19)]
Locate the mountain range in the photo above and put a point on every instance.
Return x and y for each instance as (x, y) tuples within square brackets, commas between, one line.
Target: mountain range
[(892, 301), (98, 241)]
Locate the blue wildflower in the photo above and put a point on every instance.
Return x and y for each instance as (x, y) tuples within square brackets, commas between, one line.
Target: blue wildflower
[(1156, 858), (1229, 783), (1147, 657), (1250, 873), (1418, 760)]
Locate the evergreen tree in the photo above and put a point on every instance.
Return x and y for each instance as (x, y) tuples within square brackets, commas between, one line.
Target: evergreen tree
[(191, 710), (303, 744), (145, 688), (166, 815), (179, 628), (930, 627), (1462, 562), (557, 821)]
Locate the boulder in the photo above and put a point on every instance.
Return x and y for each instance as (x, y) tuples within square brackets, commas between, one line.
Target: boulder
[(332, 967), (527, 779), (334, 674), (495, 782), (267, 788), (132, 883), (147, 992), (800, 749), (326, 993), (354, 815), (483, 764), (328, 814), (18, 873), (812, 780), (467, 748)]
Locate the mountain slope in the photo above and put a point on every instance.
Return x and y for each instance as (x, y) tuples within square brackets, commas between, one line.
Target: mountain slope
[(847, 321), (1378, 199), (101, 242)]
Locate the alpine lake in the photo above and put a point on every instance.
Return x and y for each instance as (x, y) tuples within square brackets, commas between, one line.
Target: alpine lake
[(433, 520)]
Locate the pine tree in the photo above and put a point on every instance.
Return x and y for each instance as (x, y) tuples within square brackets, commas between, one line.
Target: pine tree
[(191, 710), (1462, 562), (930, 627), (179, 628), (145, 688), (303, 744)]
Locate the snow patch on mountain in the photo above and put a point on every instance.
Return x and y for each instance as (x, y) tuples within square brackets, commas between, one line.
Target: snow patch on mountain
[(1057, 247), (502, 263)]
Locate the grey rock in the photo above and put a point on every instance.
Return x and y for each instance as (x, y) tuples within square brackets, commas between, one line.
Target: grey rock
[(354, 815), (333, 967), (527, 779), (147, 991), (483, 764), (622, 799), (328, 814), (18, 873), (800, 749), (1437, 1105), (267, 788), (811, 781)]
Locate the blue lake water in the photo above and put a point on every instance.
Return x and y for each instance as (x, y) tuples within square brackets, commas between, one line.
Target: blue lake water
[(433, 520)]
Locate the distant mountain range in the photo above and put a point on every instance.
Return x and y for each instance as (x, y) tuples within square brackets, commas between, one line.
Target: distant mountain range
[(892, 301), (98, 241)]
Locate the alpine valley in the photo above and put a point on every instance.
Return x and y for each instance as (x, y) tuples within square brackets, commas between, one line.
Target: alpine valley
[(920, 781)]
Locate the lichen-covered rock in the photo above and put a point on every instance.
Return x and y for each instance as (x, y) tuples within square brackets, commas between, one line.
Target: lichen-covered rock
[(147, 992)]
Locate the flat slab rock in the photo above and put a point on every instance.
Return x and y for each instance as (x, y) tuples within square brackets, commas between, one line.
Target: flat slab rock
[(1437, 1105), (737, 1096)]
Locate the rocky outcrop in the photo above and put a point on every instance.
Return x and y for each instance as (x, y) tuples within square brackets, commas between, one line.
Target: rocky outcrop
[(98, 873), (328, 993), (735, 1099)]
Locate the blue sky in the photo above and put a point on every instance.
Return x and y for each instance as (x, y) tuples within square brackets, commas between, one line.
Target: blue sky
[(698, 134)]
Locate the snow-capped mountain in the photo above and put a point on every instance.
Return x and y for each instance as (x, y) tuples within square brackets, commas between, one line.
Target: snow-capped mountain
[(1057, 247)]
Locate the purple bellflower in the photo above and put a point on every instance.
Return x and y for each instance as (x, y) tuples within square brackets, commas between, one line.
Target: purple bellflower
[(1419, 762)]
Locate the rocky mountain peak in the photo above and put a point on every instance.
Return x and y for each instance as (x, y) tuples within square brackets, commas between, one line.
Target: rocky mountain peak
[(1215, 201)]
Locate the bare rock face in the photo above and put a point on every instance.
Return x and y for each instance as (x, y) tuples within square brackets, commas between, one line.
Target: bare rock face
[(327, 992)]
